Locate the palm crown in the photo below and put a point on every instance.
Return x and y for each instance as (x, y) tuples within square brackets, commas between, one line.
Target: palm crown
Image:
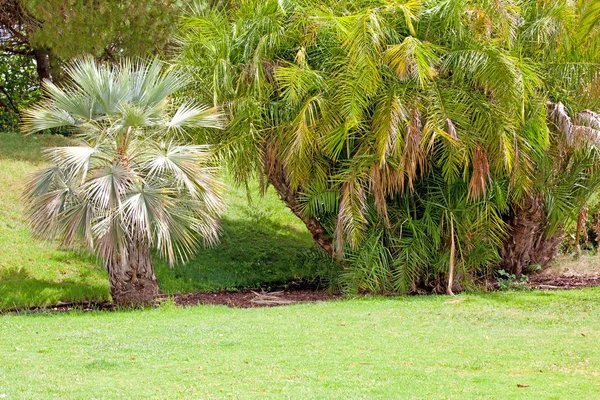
[(129, 185), (426, 118)]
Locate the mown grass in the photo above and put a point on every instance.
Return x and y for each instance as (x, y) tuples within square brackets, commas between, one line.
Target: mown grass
[(472, 346), (262, 242), (34, 273)]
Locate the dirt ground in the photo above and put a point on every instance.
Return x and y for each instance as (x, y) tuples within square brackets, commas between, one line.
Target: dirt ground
[(254, 298), (566, 272), (243, 299)]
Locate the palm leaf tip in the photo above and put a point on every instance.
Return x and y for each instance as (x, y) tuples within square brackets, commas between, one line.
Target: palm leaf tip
[(191, 115)]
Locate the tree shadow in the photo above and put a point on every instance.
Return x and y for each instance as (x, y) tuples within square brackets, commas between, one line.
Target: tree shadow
[(17, 146), (259, 245), (250, 254), (19, 288)]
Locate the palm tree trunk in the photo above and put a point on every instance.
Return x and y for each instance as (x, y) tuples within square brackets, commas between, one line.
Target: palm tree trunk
[(312, 224), (132, 279), (527, 242), (277, 177), (581, 217)]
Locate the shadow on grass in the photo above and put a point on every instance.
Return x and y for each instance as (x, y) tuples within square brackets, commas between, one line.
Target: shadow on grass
[(20, 147), (18, 288), (250, 254)]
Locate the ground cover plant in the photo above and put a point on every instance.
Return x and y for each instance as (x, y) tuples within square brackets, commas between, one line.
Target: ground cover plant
[(526, 345), (262, 242)]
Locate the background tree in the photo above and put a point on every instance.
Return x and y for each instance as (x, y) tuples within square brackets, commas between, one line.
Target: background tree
[(409, 135), (55, 31), (18, 88), (130, 186), (40, 36)]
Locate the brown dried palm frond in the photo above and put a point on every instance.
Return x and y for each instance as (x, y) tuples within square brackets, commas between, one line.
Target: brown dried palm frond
[(558, 114), (588, 127), (384, 182), (451, 129), (413, 156), (481, 174)]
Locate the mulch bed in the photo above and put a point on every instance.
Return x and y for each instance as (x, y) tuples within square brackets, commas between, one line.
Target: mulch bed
[(254, 298), (555, 282), (293, 294), (244, 299)]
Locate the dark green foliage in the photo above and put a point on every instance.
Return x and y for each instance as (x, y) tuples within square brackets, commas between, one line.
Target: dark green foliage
[(507, 281), (52, 32), (18, 88), (108, 28)]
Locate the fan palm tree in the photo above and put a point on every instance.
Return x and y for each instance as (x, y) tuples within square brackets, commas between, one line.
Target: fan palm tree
[(358, 108), (130, 185)]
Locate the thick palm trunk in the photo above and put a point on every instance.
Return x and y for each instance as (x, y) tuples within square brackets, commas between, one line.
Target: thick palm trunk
[(527, 242), (312, 224), (132, 280), (277, 177)]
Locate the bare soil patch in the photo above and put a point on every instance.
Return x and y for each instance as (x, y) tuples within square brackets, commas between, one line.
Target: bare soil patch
[(550, 282), (242, 299), (568, 273), (252, 299)]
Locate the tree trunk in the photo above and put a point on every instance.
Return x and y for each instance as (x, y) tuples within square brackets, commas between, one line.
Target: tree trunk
[(581, 218), (527, 242), (43, 65), (452, 259), (132, 279), (578, 235), (277, 177)]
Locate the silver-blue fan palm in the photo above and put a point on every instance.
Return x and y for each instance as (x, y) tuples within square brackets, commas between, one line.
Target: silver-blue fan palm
[(130, 185)]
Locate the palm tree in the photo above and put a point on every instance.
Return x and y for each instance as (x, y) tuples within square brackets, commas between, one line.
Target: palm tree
[(359, 113), (130, 185)]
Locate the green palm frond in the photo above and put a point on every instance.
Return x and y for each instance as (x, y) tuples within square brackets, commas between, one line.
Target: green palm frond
[(404, 116), (413, 59)]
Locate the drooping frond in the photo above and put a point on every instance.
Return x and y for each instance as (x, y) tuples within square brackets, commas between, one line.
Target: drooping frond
[(349, 103), (413, 59), (351, 220), (481, 174)]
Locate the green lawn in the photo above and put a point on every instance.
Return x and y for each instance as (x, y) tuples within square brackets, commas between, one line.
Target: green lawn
[(474, 346), (262, 242), (469, 346)]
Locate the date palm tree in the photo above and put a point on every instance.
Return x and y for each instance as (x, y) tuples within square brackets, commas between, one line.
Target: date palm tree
[(130, 185), (369, 117)]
